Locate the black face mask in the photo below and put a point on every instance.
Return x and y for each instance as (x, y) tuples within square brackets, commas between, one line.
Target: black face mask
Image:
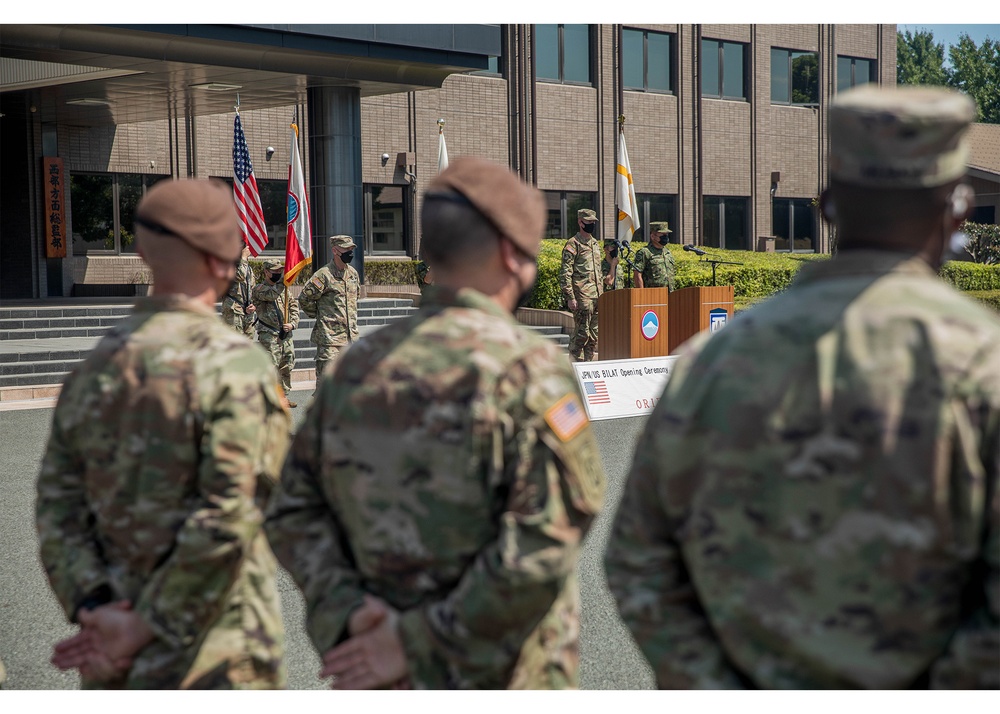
[(589, 228), (275, 277), (613, 253), (348, 256)]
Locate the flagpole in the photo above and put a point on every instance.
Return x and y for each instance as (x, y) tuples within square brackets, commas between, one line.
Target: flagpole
[(286, 303)]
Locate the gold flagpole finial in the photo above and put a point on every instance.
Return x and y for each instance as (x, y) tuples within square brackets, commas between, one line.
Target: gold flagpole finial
[(621, 122), (440, 126), (237, 107)]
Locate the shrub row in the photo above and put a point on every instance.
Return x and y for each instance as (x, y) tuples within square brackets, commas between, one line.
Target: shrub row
[(971, 276), (758, 275), (988, 297)]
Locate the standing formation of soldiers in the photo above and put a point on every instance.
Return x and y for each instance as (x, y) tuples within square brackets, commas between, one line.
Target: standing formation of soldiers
[(829, 519)]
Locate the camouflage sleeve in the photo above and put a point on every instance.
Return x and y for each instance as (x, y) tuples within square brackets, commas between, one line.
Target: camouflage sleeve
[(972, 660), (308, 541), (293, 312), (646, 573), (310, 295), (265, 292), (556, 486), (639, 261), (566, 269), (671, 269), (246, 430), (68, 542)]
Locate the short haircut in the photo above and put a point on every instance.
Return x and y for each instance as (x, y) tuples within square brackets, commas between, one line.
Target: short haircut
[(453, 232)]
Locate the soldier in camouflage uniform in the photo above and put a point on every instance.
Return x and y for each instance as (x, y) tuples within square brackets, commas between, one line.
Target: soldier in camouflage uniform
[(424, 275), (165, 444), (237, 306), (274, 326), (331, 296), (582, 283), (654, 264), (446, 474), (832, 518)]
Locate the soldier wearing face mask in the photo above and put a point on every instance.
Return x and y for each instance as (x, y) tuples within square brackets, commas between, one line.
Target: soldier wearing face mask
[(582, 282), (278, 316), (654, 264), (609, 266), (331, 296)]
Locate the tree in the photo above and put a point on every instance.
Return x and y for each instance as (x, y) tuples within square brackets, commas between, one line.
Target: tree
[(976, 71), (919, 60)]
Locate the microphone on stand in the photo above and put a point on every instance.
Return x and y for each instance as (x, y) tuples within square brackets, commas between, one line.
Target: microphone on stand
[(692, 249)]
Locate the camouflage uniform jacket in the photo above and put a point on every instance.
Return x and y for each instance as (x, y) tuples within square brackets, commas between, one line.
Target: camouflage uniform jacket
[(814, 501), (428, 472), (239, 297), (606, 270), (580, 272), (165, 444), (656, 266), (331, 296), (270, 302)]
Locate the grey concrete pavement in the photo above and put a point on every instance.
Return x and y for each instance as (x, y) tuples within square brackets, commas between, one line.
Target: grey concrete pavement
[(31, 621)]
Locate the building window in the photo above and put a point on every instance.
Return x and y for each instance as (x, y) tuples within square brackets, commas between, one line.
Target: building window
[(722, 69), (562, 53), (387, 219), (726, 222), (103, 209), (657, 207), (794, 77), (793, 223), (274, 204), (984, 214), (647, 61), (563, 206), (852, 72)]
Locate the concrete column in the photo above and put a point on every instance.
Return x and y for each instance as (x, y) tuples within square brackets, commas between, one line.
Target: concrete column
[(335, 170)]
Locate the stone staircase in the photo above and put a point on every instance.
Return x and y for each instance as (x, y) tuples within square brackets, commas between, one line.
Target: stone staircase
[(39, 344)]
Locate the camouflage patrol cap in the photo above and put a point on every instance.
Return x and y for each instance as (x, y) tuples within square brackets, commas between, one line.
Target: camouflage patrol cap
[(515, 208), (660, 227), (586, 215), (905, 137), (274, 264), (341, 241), (201, 212)]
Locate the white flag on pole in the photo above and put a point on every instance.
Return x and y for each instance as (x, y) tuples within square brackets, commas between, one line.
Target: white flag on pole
[(628, 209), (442, 148)]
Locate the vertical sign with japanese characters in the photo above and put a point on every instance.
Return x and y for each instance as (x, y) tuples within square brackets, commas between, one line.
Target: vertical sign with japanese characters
[(54, 207)]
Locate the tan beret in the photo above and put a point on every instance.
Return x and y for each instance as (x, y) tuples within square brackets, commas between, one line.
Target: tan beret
[(201, 212), (516, 209), (899, 137), (586, 215), (660, 226), (341, 241)]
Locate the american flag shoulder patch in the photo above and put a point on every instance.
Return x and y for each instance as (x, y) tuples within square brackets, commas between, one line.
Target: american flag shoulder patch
[(566, 417)]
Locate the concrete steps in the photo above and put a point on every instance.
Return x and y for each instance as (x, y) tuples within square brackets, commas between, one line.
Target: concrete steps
[(39, 345)]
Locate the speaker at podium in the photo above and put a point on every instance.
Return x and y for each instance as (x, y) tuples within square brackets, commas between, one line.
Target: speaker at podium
[(654, 322)]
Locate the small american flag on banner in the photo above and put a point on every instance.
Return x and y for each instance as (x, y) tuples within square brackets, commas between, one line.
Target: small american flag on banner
[(597, 392), (246, 194)]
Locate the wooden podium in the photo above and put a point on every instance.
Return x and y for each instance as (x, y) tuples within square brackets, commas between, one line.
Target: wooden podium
[(695, 309), (633, 323)]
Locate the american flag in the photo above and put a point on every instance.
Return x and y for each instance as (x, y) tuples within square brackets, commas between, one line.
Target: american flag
[(566, 417), (246, 194), (597, 392)]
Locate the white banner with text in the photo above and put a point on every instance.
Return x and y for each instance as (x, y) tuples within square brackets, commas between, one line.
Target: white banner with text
[(613, 389)]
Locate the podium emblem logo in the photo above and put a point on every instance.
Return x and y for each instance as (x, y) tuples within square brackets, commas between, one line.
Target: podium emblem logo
[(650, 325), (717, 319)]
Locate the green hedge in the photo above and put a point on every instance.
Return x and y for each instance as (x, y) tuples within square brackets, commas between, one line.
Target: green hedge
[(989, 297), (759, 276), (971, 276)]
